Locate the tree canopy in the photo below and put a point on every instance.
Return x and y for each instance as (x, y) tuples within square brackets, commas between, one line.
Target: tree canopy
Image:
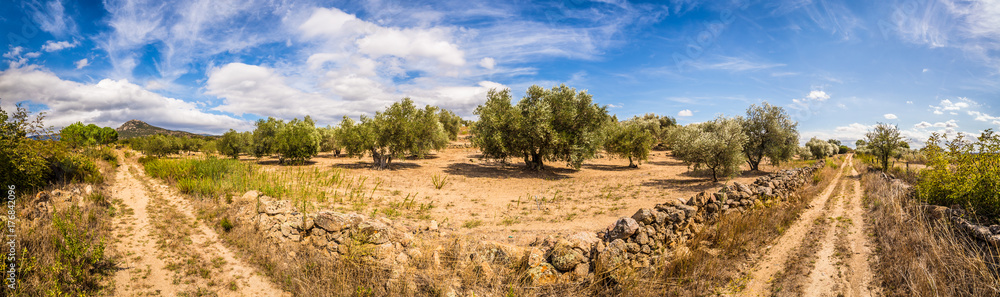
[(884, 142), (558, 124), (400, 130), (297, 141), (77, 134), (770, 133), (629, 140), (716, 145)]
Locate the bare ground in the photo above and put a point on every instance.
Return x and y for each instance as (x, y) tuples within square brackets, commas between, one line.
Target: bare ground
[(826, 252), (167, 251)]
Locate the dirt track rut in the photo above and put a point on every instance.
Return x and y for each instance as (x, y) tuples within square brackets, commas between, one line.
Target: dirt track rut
[(167, 252), (839, 266)]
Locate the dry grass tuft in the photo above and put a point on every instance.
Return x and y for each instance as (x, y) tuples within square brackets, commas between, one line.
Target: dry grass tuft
[(919, 256)]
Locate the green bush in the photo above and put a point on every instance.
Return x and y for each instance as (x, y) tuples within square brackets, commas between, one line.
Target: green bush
[(102, 153), (81, 264), (69, 167), (226, 224), (963, 172)]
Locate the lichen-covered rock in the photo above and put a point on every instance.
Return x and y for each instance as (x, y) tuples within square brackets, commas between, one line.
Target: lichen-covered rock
[(565, 257), (534, 257), (583, 241), (543, 274)]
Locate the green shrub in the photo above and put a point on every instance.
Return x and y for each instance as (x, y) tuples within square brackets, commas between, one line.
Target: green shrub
[(963, 172), (226, 224), (102, 153), (69, 167), (81, 264)]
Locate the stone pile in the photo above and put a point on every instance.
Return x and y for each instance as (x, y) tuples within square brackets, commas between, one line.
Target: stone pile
[(337, 233)]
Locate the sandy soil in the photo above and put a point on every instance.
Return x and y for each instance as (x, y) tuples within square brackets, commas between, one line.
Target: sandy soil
[(511, 204), (147, 264), (840, 265)]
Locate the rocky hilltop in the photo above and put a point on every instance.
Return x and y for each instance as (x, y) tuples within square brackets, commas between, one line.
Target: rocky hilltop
[(137, 128)]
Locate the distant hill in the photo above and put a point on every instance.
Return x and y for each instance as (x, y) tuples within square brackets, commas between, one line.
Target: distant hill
[(137, 128)]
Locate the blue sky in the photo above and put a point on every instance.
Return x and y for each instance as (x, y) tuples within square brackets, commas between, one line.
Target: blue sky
[(207, 66)]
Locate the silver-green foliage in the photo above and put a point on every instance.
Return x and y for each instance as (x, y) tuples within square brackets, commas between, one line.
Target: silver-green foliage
[(397, 132), (821, 149), (629, 139), (558, 124), (716, 145), (770, 133)]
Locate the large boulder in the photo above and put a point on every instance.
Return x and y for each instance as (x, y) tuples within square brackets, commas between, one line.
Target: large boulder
[(583, 241), (624, 228)]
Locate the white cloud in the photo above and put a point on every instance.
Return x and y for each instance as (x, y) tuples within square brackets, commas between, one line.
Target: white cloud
[(818, 96), (487, 63), (890, 116), (983, 117), (52, 46), (925, 70), (925, 125), (909, 102), (948, 105), (107, 103), (619, 105), (81, 63), (685, 113)]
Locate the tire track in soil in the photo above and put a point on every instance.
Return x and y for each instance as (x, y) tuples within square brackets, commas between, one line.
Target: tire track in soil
[(777, 255), (145, 267)]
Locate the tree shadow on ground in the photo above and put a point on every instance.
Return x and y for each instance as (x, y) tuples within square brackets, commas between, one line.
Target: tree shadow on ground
[(603, 167), (287, 163), (666, 163), (506, 171), (366, 165)]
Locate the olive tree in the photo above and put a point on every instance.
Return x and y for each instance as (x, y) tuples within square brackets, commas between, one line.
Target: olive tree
[(400, 130), (716, 145), (770, 133), (654, 124), (629, 140), (328, 140), (265, 135), (297, 141), (233, 143), (884, 142), (558, 124), (450, 122), (77, 134), (820, 149)]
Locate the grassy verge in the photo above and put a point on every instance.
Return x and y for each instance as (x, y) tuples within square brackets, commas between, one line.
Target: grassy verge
[(65, 252), (920, 256)]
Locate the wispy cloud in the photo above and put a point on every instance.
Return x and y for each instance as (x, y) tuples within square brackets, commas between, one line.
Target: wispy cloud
[(734, 64)]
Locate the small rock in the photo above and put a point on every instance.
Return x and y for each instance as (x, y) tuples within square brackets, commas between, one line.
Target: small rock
[(543, 274), (565, 257), (534, 257), (624, 228), (644, 215)]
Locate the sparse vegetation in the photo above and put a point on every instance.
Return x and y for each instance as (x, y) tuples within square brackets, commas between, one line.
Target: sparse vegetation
[(629, 140)]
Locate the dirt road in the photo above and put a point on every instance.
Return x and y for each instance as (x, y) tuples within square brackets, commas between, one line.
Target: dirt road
[(167, 252), (825, 252)]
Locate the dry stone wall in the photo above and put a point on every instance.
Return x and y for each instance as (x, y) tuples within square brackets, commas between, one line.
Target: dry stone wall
[(635, 241)]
